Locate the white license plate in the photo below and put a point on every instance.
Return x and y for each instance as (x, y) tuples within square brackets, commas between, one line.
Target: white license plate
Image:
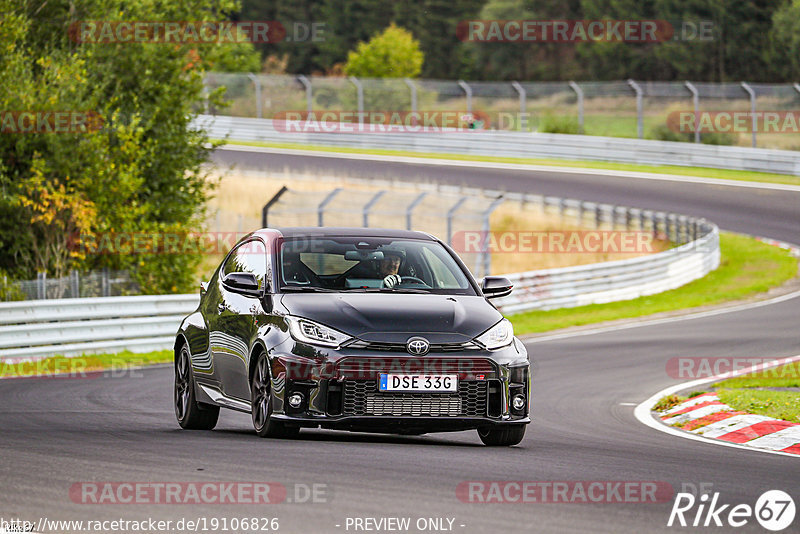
[(418, 383)]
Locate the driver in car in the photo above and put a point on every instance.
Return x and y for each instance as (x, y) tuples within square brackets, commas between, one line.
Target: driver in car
[(389, 266)]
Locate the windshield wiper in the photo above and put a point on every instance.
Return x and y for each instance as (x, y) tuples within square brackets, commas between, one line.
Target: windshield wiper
[(386, 289), (307, 289)]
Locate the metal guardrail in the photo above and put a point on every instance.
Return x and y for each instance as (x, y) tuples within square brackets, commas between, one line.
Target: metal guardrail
[(612, 281), (519, 144), (37, 329)]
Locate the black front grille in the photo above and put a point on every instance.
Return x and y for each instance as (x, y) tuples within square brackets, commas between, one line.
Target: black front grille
[(361, 397)]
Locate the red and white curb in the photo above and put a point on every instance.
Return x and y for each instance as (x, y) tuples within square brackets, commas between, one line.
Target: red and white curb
[(705, 415), (726, 427)]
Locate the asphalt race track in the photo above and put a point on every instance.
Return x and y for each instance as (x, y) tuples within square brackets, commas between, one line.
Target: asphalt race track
[(58, 432)]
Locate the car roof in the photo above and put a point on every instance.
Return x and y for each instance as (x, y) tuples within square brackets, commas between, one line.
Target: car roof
[(327, 231)]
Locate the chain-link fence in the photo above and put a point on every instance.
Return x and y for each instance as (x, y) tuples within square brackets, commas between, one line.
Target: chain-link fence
[(648, 110), (452, 213), (104, 283)]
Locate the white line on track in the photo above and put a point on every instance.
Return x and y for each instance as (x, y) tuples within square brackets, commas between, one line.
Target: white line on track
[(514, 167), (642, 411)]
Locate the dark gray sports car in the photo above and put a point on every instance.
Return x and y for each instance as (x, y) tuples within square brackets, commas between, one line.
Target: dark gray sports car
[(354, 329)]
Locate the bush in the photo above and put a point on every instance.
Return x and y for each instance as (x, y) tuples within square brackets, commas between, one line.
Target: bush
[(559, 124), (662, 132)]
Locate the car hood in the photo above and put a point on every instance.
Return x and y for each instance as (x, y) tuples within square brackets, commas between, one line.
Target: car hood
[(393, 318)]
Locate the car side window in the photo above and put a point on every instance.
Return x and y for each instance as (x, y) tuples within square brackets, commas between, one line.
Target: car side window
[(248, 257)]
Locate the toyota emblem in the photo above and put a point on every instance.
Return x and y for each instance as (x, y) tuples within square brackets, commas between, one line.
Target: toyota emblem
[(418, 346)]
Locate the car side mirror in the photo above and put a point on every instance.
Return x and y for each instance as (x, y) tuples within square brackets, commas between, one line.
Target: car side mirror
[(242, 283), (494, 287)]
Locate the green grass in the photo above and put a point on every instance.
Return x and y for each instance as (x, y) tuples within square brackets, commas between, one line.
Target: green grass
[(747, 267), (82, 365), (785, 376), (778, 404), (662, 169)]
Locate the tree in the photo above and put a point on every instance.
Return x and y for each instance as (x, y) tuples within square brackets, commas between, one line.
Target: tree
[(394, 53), (786, 41), (141, 172)]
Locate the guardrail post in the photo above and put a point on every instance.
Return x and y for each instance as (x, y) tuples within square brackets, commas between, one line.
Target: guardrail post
[(309, 92), (325, 201), (578, 91), (257, 82), (753, 118), (360, 93), (468, 92), (74, 283), (522, 100), (413, 89), (696, 102), (267, 206), (450, 214), (411, 207), (639, 108), (486, 256), (368, 206)]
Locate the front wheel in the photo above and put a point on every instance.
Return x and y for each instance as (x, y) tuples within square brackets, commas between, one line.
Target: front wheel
[(261, 404), (191, 414), (501, 435)]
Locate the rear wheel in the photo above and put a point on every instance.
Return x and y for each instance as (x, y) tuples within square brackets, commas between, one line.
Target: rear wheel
[(261, 404), (191, 414), (501, 435)]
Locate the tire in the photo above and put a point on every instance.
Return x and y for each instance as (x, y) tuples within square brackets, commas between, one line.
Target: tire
[(261, 404), (191, 414), (501, 435)]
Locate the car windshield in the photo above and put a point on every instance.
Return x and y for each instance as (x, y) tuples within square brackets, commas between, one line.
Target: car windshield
[(317, 264)]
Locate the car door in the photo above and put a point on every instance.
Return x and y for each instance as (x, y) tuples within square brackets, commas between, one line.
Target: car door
[(238, 318)]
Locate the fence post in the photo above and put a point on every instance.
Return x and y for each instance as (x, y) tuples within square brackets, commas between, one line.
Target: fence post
[(578, 91), (75, 287), (41, 285), (413, 89), (450, 214), (486, 256), (639, 108), (265, 209), (325, 201), (309, 94), (205, 94), (360, 92), (468, 92), (257, 84), (368, 206), (752, 94), (696, 101), (105, 283), (411, 207), (522, 100)]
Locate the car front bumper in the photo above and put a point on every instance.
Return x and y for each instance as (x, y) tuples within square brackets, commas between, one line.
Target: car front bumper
[(339, 389)]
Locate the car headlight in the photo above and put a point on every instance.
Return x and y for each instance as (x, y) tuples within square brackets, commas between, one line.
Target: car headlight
[(500, 335), (315, 333)]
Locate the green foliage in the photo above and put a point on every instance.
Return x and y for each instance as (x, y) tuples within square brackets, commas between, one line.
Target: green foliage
[(394, 53), (558, 124), (749, 40), (662, 132), (140, 173)]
